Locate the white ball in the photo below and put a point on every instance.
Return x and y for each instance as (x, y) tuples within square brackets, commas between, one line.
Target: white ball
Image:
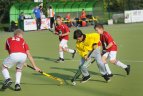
[(73, 83)]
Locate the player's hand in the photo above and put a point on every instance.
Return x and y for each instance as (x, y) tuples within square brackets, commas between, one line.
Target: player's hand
[(103, 52), (60, 33), (37, 69), (86, 57)]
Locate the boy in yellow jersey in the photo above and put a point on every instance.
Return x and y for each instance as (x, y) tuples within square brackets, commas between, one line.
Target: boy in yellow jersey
[(87, 47)]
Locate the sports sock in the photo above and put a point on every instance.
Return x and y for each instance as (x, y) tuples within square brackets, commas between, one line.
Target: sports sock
[(70, 50), (120, 64), (5, 73), (61, 53), (108, 69), (18, 77)]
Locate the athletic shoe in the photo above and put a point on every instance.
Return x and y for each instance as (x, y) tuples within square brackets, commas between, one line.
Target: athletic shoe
[(6, 83), (51, 30), (106, 77), (110, 75), (127, 69), (60, 60), (17, 87), (85, 79), (73, 54)]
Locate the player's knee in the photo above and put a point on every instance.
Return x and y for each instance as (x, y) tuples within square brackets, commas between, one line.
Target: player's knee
[(61, 49), (18, 69), (113, 61), (65, 49), (104, 61), (4, 67)]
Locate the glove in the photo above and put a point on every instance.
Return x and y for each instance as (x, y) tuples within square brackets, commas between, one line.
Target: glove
[(103, 52)]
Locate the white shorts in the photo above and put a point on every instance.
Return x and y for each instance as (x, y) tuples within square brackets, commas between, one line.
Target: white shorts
[(111, 55), (17, 59), (63, 43)]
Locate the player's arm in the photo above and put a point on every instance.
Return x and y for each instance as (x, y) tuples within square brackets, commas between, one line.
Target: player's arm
[(32, 60), (109, 40), (109, 45), (7, 47), (67, 33)]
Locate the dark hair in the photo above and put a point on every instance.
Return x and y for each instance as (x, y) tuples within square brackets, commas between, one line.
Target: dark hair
[(58, 17), (98, 26), (77, 33), (50, 7)]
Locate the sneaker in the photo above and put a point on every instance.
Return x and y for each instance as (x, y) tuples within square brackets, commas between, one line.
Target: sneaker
[(17, 87), (85, 79), (127, 69), (106, 77), (73, 54), (110, 75), (60, 60), (51, 30), (6, 83)]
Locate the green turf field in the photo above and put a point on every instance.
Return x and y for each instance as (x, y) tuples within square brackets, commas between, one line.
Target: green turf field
[(44, 48)]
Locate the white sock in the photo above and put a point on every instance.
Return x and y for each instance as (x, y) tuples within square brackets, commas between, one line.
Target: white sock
[(70, 50), (18, 77), (108, 69), (61, 53), (120, 64), (5, 73)]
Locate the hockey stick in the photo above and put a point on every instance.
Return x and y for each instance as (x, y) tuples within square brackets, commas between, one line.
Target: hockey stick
[(48, 75)]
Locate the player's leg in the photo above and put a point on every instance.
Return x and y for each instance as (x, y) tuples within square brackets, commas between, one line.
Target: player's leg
[(18, 78), (61, 52), (21, 58), (104, 59), (66, 49), (113, 60), (97, 55), (7, 63), (84, 70)]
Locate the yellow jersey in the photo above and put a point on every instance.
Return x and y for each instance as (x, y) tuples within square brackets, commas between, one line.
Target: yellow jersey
[(85, 46)]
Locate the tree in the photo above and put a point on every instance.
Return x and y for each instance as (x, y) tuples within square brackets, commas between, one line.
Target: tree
[(5, 7)]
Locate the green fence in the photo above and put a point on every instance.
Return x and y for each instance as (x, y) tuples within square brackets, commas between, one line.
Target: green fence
[(17, 8)]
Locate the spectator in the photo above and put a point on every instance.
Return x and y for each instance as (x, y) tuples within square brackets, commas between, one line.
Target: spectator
[(51, 15), (21, 21), (83, 15), (68, 20), (37, 13)]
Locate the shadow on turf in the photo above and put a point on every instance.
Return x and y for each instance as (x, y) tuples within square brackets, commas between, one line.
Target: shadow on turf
[(47, 58), (74, 70), (44, 58)]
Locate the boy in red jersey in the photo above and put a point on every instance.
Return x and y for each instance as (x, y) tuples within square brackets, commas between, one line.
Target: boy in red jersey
[(109, 50), (18, 52), (63, 31)]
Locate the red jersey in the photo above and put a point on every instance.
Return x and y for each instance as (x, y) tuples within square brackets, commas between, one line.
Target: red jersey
[(16, 44), (64, 29), (105, 39)]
